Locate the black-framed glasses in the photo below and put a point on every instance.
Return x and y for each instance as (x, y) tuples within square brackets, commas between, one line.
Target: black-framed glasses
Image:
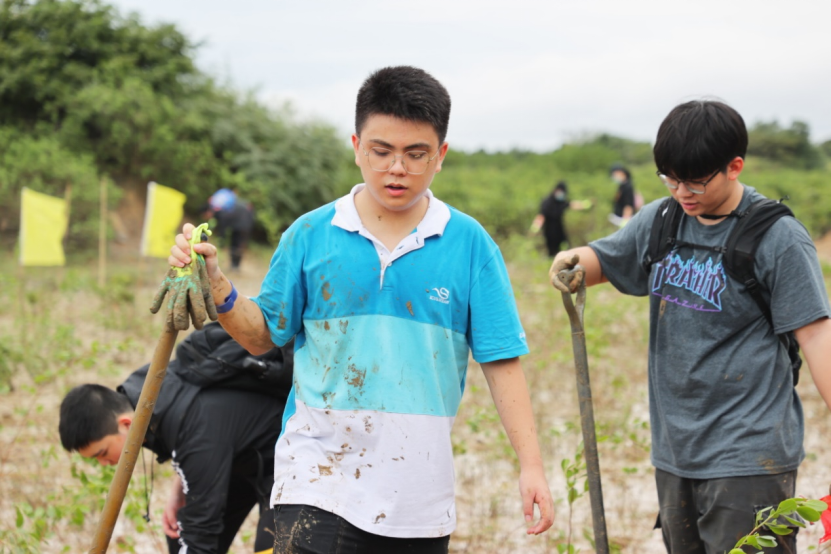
[(415, 162), (695, 187)]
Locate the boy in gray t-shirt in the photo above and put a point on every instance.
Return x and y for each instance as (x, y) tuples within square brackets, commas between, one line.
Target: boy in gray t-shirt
[(726, 421)]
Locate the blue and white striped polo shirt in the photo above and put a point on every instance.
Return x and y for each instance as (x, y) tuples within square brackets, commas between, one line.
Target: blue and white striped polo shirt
[(383, 341)]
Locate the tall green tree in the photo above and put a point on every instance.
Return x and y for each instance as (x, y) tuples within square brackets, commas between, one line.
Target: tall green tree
[(77, 76), (789, 146)]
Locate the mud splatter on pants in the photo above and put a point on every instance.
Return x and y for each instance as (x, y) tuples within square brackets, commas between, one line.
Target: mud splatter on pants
[(304, 529)]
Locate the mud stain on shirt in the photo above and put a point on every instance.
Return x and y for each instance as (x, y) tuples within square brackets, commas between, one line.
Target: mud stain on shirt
[(326, 292), (355, 377), (410, 307)]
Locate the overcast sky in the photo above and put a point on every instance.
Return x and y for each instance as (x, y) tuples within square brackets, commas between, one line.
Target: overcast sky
[(525, 74)]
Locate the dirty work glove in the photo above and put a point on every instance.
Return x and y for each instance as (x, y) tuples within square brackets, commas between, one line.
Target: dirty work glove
[(574, 277), (205, 285), (188, 291)]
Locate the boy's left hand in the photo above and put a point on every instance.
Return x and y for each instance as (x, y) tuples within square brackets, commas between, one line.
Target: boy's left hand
[(534, 490)]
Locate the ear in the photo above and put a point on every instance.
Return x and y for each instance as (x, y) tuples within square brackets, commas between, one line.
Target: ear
[(442, 154), (124, 423), (734, 168), (356, 145)]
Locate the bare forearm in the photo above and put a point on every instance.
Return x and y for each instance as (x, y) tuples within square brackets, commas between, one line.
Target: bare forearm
[(589, 261), (509, 390), (177, 491), (245, 321), (815, 342)]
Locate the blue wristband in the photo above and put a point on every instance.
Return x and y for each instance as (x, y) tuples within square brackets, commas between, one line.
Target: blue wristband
[(229, 301)]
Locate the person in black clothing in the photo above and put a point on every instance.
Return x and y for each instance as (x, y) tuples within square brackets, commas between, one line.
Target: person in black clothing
[(551, 215), (234, 219), (220, 440), (624, 204)]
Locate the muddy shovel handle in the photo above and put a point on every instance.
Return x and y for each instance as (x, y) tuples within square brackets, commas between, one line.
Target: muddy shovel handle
[(134, 440), (574, 309), (584, 395)]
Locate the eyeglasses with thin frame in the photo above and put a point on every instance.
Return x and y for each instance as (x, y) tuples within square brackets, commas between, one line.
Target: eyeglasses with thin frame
[(695, 187), (415, 162)]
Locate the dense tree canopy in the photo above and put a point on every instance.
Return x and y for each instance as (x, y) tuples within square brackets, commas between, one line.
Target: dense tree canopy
[(80, 82), (86, 92), (790, 146)]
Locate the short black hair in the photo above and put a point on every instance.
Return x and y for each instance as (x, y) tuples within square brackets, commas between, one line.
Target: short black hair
[(698, 138), (407, 93), (621, 167), (89, 413)]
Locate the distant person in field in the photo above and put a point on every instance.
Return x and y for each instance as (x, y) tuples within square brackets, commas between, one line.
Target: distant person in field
[(551, 218), (220, 442), (623, 206), (389, 291), (727, 423), (234, 222)]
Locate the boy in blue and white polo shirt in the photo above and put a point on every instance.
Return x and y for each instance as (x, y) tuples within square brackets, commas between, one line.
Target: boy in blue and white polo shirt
[(388, 291)]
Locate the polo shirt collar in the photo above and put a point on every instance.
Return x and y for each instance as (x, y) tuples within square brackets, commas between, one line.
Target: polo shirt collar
[(434, 221)]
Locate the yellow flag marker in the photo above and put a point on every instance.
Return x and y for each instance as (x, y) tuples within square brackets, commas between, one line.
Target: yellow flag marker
[(165, 208), (42, 227)]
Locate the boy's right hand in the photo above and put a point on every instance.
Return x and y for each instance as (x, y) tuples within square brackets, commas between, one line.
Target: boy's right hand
[(176, 501), (533, 488), (180, 253), (575, 276)]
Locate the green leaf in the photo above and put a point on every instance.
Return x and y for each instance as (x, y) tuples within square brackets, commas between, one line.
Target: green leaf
[(767, 541), (793, 521), (817, 505), (787, 506), (780, 529), (736, 551), (761, 514), (808, 513), (19, 520)]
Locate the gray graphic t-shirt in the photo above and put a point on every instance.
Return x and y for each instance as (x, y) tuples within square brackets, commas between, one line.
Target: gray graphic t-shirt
[(721, 395)]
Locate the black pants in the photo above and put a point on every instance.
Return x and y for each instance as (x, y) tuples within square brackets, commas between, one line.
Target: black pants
[(225, 460), (308, 530), (239, 240), (236, 510), (708, 516)]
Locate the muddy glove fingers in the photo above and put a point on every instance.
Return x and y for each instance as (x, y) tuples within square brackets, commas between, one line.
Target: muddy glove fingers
[(169, 317), (166, 287), (575, 274), (196, 303), (194, 316), (180, 311), (205, 283)]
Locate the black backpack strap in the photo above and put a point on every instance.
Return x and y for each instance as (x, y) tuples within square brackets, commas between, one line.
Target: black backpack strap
[(663, 232), (740, 257)]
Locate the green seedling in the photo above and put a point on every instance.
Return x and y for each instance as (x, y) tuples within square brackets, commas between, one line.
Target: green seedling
[(574, 469), (794, 511)]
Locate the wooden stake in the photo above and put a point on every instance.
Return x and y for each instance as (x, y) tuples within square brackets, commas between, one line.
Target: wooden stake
[(67, 195), (102, 236)]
